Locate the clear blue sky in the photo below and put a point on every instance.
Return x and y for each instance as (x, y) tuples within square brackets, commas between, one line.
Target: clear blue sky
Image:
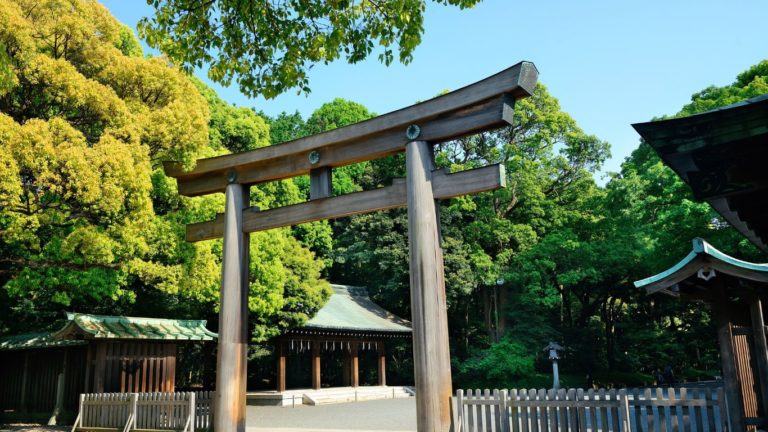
[(610, 63)]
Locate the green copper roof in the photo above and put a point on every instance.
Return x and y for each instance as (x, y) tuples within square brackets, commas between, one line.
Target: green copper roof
[(121, 327), (350, 309), (704, 257), (80, 327), (35, 340)]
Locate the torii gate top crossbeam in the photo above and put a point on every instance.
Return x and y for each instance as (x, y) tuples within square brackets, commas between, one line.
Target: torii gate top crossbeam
[(482, 106)]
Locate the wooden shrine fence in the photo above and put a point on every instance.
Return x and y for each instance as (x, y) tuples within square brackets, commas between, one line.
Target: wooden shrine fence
[(125, 412), (626, 410)]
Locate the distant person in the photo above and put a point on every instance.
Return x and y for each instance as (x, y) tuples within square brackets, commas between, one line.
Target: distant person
[(669, 375), (590, 379)]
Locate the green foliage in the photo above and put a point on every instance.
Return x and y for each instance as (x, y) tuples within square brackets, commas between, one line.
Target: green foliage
[(236, 129), (82, 124), (269, 46), (128, 44), (88, 220), (506, 364)]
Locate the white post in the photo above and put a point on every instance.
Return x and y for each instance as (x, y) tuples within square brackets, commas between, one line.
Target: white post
[(432, 360), (229, 398), (192, 413)]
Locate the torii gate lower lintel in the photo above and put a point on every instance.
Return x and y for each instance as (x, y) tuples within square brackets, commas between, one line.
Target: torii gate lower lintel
[(485, 105)]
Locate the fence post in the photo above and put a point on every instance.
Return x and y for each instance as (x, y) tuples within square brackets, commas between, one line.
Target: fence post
[(505, 424), (134, 403), (192, 413), (459, 411), (624, 402)]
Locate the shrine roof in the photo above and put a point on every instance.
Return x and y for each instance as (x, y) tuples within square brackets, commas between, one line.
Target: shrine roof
[(350, 309), (121, 327), (35, 340), (721, 155), (82, 327), (706, 259)]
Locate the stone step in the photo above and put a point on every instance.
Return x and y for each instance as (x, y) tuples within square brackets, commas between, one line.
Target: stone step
[(343, 395)]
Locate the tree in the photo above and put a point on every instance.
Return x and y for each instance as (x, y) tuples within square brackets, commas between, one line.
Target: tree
[(236, 129), (269, 46), (549, 162), (88, 219), (82, 123)]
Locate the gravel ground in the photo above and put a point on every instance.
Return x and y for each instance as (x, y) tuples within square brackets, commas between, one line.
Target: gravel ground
[(369, 416)]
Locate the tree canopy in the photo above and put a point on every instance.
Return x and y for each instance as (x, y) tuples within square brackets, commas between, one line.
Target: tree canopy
[(88, 220), (269, 46)]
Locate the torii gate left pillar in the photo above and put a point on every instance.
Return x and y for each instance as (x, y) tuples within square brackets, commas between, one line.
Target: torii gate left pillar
[(231, 360), (485, 105)]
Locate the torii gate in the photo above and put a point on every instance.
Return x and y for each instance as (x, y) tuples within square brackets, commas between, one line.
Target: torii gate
[(482, 106)]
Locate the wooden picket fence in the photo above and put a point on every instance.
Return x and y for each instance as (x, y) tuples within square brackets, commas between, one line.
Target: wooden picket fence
[(124, 412), (635, 410)]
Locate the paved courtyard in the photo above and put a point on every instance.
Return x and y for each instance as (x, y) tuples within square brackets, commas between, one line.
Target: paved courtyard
[(369, 416), (386, 415)]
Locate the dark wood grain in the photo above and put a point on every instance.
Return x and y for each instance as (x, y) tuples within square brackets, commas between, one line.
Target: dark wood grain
[(481, 106), (444, 186)]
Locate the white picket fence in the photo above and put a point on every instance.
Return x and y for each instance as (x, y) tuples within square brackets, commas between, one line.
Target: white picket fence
[(626, 410), (124, 412)]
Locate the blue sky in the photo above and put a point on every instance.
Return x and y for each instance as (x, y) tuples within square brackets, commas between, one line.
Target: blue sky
[(609, 62)]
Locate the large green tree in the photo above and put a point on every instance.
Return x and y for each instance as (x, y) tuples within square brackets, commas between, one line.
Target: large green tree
[(269, 46), (82, 124), (88, 220)]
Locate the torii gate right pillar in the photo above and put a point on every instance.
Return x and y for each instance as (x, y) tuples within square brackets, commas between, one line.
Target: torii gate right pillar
[(431, 353)]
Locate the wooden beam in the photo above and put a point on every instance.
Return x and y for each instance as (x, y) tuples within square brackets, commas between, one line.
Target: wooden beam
[(444, 186), (320, 183), (281, 366), (316, 379), (478, 107), (346, 370), (88, 368), (431, 355), (355, 364), (382, 364), (100, 366), (229, 398), (731, 382), (760, 350), (24, 383), (61, 380)]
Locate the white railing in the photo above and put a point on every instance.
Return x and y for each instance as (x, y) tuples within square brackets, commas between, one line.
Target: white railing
[(634, 410), (124, 412)]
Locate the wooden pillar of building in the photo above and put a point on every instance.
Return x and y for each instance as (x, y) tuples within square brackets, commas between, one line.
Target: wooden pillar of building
[(281, 366), (88, 368), (760, 350), (61, 382), (432, 365), (346, 370), (229, 400), (354, 357), (731, 382), (382, 364), (316, 382), (99, 367), (24, 383)]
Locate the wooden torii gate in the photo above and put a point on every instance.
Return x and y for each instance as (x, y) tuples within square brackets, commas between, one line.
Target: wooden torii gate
[(482, 106)]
